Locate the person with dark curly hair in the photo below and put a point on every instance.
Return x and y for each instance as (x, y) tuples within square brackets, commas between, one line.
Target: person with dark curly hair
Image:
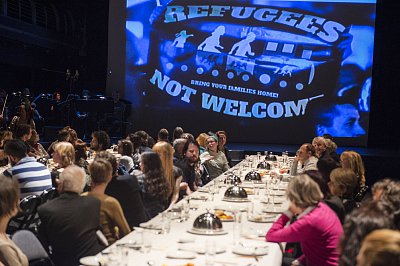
[(358, 224), (100, 141), (153, 184)]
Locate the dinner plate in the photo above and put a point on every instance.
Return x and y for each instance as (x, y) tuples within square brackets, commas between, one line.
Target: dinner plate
[(207, 233), (201, 249), (262, 219), (236, 199), (150, 226), (90, 261), (181, 254), (203, 189), (278, 193), (199, 197), (274, 210), (269, 201), (250, 249)]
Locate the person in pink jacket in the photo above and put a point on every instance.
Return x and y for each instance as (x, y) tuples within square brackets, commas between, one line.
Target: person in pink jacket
[(316, 227)]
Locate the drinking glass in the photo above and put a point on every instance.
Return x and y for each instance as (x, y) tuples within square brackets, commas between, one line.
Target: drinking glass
[(210, 250)]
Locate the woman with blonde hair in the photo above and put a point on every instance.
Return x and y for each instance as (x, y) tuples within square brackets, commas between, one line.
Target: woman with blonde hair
[(202, 139), (380, 248), (317, 227), (354, 161), (172, 173), (63, 156)]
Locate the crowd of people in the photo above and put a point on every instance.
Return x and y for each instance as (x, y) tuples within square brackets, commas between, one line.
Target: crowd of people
[(331, 209)]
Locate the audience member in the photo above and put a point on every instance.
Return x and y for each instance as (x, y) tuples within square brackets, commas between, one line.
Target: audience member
[(125, 188), (317, 227), (140, 144), (178, 145), (153, 184), (32, 176), (188, 163), (172, 173), (10, 254), (326, 166), (163, 135), (353, 161), (100, 141), (334, 202), (214, 159), (38, 149), (69, 222), (342, 184), (178, 131), (222, 139), (63, 135), (5, 135), (112, 219), (325, 148), (358, 224), (63, 156), (125, 148), (24, 133), (187, 136), (202, 139), (380, 248), (81, 154), (306, 156)]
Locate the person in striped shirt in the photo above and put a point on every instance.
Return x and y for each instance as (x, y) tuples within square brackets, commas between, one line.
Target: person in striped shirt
[(33, 177)]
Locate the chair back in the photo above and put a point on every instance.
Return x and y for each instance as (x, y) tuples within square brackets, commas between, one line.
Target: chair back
[(48, 194), (31, 247), (26, 216)]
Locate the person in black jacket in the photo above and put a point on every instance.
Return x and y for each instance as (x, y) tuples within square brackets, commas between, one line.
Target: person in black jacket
[(126, 190), (69, 223)]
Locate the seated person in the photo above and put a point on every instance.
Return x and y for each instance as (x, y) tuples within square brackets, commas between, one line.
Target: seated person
[(380, 248), (342, 184), (63, 135), (126, 190), (214, 160), (306, 156), (353, 161), (317, 227), (358, 224), (37, 148), (10, 254), (63, 156), (69, 222), (32, 176), (112, 219), (153, 184)]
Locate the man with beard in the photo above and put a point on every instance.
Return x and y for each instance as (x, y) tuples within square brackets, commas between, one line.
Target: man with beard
[(191, 152)]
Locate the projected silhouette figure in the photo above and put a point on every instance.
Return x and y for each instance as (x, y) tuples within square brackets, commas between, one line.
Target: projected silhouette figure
[(210, 44), (181, 38), (243, 47)]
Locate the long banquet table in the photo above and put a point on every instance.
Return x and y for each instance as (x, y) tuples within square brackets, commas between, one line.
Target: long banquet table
[(171, 248)]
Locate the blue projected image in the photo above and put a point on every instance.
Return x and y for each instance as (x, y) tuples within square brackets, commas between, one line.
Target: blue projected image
[(284, 70)]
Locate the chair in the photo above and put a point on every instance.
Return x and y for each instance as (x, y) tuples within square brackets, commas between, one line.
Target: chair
[(48, 194), (26, 216), (32, 248)]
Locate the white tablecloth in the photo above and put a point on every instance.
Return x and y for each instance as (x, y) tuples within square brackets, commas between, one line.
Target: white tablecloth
[(162, 244)]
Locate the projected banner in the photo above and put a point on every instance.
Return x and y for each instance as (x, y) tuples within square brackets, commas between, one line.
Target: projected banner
[(283, 71)]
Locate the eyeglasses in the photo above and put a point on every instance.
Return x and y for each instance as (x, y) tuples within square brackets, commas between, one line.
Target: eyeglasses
[(210, 141)]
